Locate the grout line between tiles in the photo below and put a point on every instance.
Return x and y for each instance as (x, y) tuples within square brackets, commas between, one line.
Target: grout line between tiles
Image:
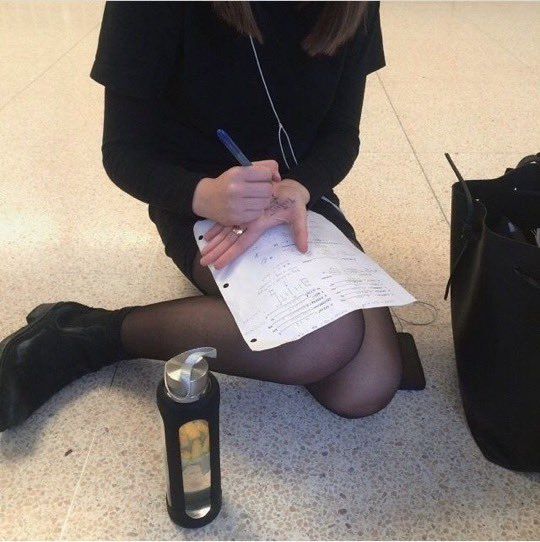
[(465, 19), (495, 40), (29, 84), (413, 150), (90, 448)]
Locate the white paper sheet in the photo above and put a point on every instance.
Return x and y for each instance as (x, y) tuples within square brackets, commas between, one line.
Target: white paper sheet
[(277, 294)]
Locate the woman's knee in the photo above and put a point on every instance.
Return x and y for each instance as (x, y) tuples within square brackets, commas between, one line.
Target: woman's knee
[(361, 408), (324, 351), (369, 401)]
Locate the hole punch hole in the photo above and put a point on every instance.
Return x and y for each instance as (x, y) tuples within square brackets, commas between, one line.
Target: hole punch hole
[(253, 341), (226, 285), (200, 237)]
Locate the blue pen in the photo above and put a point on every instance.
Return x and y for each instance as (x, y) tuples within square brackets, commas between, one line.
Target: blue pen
[(233, 148)]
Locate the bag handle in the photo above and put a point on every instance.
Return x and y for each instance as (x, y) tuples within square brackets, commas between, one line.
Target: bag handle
[(467, 222), (530, 159)]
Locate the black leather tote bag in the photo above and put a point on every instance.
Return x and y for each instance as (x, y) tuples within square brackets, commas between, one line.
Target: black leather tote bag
[(495, 301)]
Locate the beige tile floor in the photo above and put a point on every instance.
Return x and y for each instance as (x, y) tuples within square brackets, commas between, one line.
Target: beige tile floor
[(462, 78)]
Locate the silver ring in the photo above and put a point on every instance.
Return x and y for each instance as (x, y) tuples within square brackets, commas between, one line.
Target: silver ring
[(238, 230)]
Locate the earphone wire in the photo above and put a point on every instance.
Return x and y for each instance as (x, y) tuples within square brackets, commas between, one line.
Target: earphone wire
[(281, 128), (401, 321)]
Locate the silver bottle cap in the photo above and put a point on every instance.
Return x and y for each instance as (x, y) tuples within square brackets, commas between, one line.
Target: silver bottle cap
[(186, 374)]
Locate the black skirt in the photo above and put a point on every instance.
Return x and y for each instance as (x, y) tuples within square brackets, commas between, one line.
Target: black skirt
[(176, 232)]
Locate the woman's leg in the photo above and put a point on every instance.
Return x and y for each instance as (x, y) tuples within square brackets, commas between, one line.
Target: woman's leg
[(357, 367), (369, 381), (161, 330)]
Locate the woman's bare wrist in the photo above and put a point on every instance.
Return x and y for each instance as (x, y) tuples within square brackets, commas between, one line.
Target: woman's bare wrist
[(200, 196)]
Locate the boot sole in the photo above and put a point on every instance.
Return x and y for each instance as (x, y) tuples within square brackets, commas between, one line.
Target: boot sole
[(6, 345)]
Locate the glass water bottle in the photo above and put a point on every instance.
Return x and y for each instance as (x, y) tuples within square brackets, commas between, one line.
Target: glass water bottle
[(188, 400)]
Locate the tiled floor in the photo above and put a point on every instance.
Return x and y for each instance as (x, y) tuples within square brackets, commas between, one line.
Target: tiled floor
[(461, 78)]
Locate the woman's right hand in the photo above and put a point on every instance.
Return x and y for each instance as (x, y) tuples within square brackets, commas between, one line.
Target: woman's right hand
[(288, 206), (238, 195)]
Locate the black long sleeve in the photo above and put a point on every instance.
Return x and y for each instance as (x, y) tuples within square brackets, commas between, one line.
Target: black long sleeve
[(174, 73), (134, 161), (336, 145), (337, 141)]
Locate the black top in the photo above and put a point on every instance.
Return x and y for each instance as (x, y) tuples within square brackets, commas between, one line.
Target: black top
[(174, 73)]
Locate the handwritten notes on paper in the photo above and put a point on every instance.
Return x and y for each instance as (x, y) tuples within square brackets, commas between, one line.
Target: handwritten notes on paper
[(277, 294)]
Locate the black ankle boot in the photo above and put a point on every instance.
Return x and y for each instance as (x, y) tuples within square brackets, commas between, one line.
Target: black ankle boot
[(412, 377), (62, 342)]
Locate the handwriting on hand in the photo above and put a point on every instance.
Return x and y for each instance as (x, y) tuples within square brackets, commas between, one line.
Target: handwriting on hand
[(276, 205)]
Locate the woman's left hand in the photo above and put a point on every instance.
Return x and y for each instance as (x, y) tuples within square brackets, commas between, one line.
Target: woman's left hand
[(288, 205)]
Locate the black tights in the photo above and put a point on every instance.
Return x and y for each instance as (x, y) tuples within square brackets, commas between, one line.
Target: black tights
[(351, 366)]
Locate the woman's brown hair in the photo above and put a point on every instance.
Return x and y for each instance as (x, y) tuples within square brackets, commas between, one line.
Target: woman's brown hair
[(337, 23)]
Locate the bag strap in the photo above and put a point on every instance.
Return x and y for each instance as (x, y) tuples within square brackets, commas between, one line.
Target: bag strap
[(467, 222)]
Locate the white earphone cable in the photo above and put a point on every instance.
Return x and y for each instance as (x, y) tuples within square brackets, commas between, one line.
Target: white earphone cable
[(281, 147), (281, 128)]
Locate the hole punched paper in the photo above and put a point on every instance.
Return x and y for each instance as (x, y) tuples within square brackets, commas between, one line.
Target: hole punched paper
[(278, 294)]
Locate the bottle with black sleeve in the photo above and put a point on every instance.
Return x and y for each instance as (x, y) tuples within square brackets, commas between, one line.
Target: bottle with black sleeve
[(188, 400)]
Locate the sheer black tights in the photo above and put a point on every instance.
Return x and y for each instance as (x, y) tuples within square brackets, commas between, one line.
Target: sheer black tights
[(352, 366)]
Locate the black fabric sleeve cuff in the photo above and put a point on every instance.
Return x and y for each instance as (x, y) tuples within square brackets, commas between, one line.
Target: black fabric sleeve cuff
[(327, 164), (136, 172), (305, 174), (179, 186)]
